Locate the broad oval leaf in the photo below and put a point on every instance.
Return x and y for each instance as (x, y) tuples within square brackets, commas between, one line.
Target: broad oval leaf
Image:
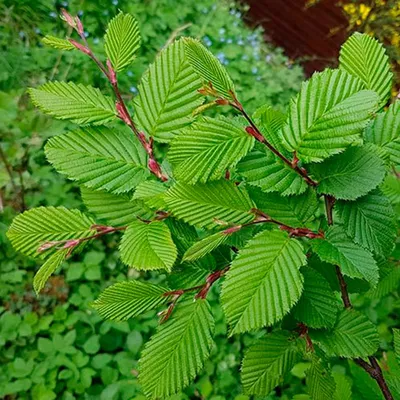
[(168, 94), (264, 281), (99, 158), (205, 150), (151, 193), (75, 102), (148, 246), (370, 222), (33, 228), (267, 362), (319, 381), (354, 261), (122, 40), (384, 132), (177, 352), (209, 205), (352, 336), (349, 175), (328, 115), (128, 299), (209, 68), (365, 58)]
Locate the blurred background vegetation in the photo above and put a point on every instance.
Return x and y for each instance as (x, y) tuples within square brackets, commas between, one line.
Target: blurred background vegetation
[(56, 345)]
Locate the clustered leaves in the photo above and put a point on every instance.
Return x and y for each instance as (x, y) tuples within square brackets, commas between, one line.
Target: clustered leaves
[(240, 199)]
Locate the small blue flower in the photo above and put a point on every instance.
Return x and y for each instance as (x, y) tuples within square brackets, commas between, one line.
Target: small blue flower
[(105, 12), (238, 14), (86, 34), (222, 39), (229, 41), (133, 89), (21, 34), (245, 57), (268, 58), (115, 2), (53, 14), (254, 70), (204, 10), (80, 13), (222, 31), (129, 73), (96, 40), (37, 30), (240, 42), (232, 11), (64, 3), (207, 41)]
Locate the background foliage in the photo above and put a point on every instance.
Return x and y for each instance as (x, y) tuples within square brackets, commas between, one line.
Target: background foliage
[(56, 345)]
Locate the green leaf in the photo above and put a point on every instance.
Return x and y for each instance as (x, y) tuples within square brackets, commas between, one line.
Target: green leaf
[(264, 281), (343, 387), (267, 362), (57, 43), (349, 175), (209, 147), (319, 381), (177, 352), (116, 210), (354, 261), (396, 343), (384, 132), (389, 281), (365, 386), (208, 67), (353, 336), (264, 169), (204, 205), (365, 58), (99, 158), (128, 299), (370, 222), (391, 188), (147, 246), (317, 307), (328, 115), (45, 271), (168, 94), (77, 103), (296, 211), (122, 40), (205, 246), (44, 224), (152, 194)]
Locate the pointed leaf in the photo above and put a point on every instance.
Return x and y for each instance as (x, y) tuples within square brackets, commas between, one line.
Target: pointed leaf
[(328, 115), (384, 132), (44, 224), (45, 271), (264, 281), (177, 352), (152, 194), (206, 149), (365, 58), (389, 281), (353, 336), (116, 210), (57, 43), (354, 261), (208, 67), (203, 205), (168, 94), (128, 299), (99, 158), (391, 188), (349, 175), (267, 362), (77, 103), (147, 246), (319, 381), (370, 222), (343, 387), (317, 307), (396, 343), (122, 40)]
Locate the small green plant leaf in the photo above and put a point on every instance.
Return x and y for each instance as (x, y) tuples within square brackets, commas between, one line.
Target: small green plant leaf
[(354, 261), (209, 205), (352, 336), (177, 352), (365, 58), (77, 103), (349, 175), (328, 115), (267, 362), (39, 225), (57, 43), (319, 381), (128, 299), (99, 158), (209, 147), (317, 307), (384, 132), (389, 281), (209, 68), (122, 40), (115, 210), (296, 211), (370, 222), (45, 271), (264, 169), (396, 343), (264, 281), (152, 194), (343, 387), (148, 246), (168, 94)]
